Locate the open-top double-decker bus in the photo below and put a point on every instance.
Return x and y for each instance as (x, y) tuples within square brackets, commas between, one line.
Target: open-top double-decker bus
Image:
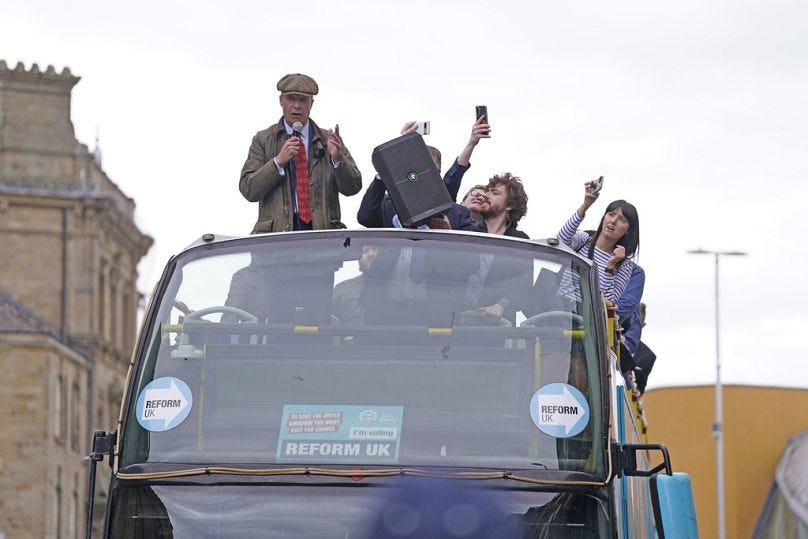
[(361, 383)]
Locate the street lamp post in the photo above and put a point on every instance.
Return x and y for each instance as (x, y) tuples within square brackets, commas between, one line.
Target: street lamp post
[(718, 424)]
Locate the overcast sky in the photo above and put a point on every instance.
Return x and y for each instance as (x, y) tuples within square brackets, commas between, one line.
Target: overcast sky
[(695, 111)]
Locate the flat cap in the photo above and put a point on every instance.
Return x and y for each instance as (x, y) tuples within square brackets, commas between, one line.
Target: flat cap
[(297, 83)]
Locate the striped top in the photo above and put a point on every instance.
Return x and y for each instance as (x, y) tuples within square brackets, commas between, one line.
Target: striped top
[(612, 286)]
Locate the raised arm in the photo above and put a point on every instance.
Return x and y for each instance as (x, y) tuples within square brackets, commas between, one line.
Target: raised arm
[(569, 234), (348, 177), (370, 214), (479, 130), (454, 175)]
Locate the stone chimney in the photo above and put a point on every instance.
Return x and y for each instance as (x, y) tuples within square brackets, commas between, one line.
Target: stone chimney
[(37, 141), (38, 147)]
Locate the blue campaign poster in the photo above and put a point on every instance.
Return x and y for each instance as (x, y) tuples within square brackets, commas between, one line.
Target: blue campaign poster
[(340, 434)]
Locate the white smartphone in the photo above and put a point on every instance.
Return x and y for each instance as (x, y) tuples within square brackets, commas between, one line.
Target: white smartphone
[(423, 128), (597, 185)]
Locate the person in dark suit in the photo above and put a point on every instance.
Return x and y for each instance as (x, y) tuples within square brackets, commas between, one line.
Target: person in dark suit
[(377, 209), (644, 358), (462, 163)]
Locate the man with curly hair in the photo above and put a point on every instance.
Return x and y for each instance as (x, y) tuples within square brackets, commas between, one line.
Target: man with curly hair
[(505, 205), (500, 284)]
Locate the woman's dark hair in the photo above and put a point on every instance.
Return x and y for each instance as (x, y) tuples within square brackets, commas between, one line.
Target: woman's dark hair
[(631, 239)]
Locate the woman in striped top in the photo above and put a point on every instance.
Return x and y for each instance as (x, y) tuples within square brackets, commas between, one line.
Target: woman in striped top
[(615, 243)]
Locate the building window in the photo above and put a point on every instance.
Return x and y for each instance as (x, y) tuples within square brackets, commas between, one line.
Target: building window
[(100, 420), (114, 398), (57, 502), (60, 409), (75, 431), (75, 516), (64, 417), (102, 300), (128, 326), (114, 319)]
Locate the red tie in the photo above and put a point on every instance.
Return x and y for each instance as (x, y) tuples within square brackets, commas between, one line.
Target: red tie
[(302, 183)]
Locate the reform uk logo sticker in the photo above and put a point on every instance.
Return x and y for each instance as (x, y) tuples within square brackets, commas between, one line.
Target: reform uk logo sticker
[(340, 433), (163, 404), (559, 410)]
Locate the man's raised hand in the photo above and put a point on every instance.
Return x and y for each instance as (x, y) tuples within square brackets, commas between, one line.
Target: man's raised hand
[(334, 143)]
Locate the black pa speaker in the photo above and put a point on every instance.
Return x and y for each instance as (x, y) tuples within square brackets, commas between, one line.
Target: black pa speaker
[(412, 178)]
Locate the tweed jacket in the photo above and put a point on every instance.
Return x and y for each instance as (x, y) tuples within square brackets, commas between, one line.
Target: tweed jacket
[(261, 182)]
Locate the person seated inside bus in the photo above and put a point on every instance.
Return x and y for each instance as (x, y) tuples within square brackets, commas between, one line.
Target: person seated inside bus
[(269, 289), (249, 293), (345, 300), (417, 286), (502, 281), (544, 296)]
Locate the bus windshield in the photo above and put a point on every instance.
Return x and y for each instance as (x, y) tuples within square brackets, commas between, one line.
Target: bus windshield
[(369, 349)]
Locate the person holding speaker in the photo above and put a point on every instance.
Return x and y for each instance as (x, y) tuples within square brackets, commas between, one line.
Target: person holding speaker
[(295, 170), (377, 210), (454, 176)]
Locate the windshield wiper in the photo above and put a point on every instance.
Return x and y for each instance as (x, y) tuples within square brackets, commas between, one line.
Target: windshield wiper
[(353, 473)]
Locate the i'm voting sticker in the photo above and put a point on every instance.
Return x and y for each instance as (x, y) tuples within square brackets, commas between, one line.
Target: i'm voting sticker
[(164, 404), (559, 410)]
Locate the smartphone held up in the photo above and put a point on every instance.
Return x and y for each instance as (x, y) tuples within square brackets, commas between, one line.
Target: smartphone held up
[(480, 111), (597, 185), (422, 128)]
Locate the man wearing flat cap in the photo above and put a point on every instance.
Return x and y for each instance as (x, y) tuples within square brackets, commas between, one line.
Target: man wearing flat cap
[(295, 170)]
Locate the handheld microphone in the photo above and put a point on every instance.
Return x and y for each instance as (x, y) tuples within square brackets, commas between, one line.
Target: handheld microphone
[(297, 130)]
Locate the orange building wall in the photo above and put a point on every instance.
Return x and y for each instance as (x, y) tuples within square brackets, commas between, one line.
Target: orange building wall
[(758, 421)]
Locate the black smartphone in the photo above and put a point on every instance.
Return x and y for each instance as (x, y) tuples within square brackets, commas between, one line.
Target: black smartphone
[(482, 110), (597, 185)]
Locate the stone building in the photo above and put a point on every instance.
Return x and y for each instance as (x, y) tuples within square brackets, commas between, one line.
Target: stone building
[(69, 250)]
